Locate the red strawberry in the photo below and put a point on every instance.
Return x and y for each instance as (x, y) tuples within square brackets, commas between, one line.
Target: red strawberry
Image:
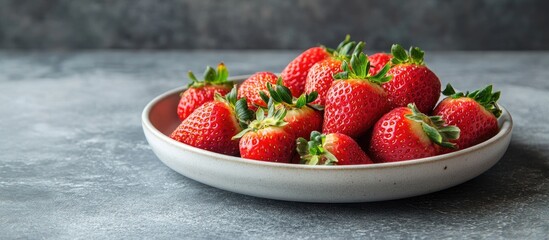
[(320, 78), (200, 92), (378, 61), (251, 87), (412, 81), (296, 71), (474, 113), (212, 125), (405, 133), (266, 139), (301, 118), (321, 75), (331, 149), (356, 101)]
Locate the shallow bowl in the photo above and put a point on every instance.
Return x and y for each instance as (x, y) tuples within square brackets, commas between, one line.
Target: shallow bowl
[(329, 184)]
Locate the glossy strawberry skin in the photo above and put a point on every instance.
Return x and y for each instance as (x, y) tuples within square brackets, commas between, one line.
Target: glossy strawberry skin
[(301, 122), (251, 87), (210, 127), (397, 138), (271, 144), (475, 122), (295, 73), (193, 98), (412, 83), (378, 61), (353, 106), (345, 149), (320, 78)]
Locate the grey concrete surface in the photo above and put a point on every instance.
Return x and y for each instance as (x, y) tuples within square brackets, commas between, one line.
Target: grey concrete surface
[(273, 24), (74, 163)]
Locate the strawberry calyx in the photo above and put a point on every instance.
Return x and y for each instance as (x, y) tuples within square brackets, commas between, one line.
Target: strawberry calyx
[(211, 76), (243, 114), (359, 68), (483, 96), (312, 152), (435, 127), (401, 56), (281, 95), (274, 118), (344, 50)]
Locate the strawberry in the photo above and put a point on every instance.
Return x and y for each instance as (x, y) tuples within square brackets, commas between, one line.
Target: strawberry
[(251, 87), (474, 113), (200, 92), (295, 73), (302, 118), (405, 133), (212, 125), (378, 61), (320, 76), (330, 149), (266, 139), (356, 101), (412, 81)]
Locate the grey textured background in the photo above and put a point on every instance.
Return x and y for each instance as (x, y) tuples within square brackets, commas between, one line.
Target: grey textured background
[(272, 24), (74, 163)]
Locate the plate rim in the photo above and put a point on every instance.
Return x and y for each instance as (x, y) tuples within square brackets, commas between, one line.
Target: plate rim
[(505, 129)]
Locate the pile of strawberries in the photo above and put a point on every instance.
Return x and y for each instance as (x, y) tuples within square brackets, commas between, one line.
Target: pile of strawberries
[(335, 107)]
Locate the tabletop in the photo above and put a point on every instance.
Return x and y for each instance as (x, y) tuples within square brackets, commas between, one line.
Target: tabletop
[(74, 162)]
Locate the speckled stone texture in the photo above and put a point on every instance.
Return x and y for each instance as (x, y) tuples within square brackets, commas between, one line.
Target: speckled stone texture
[(273, 24), (74, 162)]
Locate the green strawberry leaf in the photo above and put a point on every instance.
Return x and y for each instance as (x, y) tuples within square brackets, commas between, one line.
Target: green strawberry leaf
[(399, 53), (259, 114), (341, 75), (270, 107), (281, 95), (302, 146), (417, 55), (264, 96), (451, 132), (432, 133), (344, 42), (311, 97), (222, 73), (192, 76), (273, 93), (483, 96), (344, 51), (434, 127), (211, 77), (313, 151), (360, 69), (243, 113), (284, 93), (301, 101), (209, 74), (449, 90), (231, 96), (414, 56)]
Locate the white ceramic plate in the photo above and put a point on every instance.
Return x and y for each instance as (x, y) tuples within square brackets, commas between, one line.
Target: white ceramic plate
[(358, 183)]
